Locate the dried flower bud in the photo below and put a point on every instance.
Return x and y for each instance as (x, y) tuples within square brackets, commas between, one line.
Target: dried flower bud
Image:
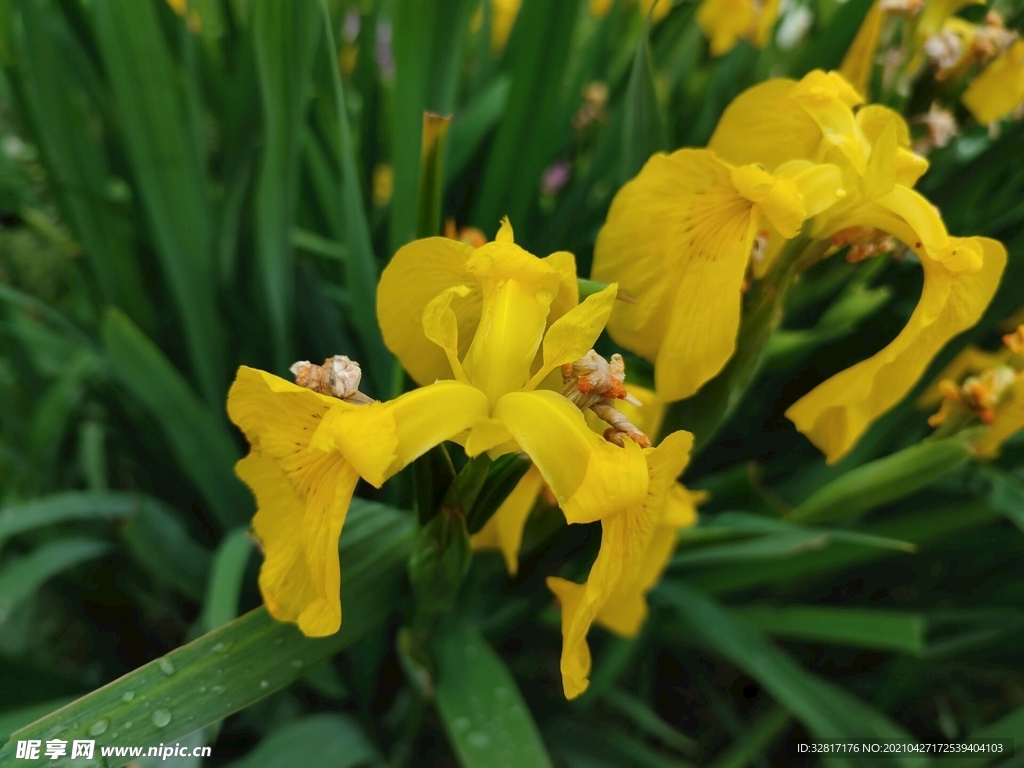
[(1015, 341), (338, 377), (595, 383)]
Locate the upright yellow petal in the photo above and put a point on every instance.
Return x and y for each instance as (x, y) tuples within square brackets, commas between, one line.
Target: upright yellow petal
[(999, 89), (573, 335), (590, 477), (725, 22), (860, 56), (517, 291), (836, 413), (504, 531), (418, 273), (621, 562)]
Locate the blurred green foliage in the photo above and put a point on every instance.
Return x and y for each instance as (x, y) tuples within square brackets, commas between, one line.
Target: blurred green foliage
[(181, 195)]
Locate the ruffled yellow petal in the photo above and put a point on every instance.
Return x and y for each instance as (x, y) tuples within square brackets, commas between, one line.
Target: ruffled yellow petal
[(836, 413), (504, 531), (999, 89), (860, 56), (681, 506), (621, 563), (687, 271), (782, 120), (573, 335), (302, 496), (417, 274), (441, 326), (517, 291), (590, 477)]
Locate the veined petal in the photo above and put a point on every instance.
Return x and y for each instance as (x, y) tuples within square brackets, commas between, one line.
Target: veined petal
[(836, 413), (418, 273), (518, 290), (381, 438), (573, 335), (778, 198), (590, 477), (299, 517), (504, 531), (685, 272), (999, 89), (621, 565)]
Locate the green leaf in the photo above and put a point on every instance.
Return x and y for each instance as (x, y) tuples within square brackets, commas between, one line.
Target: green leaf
[(921, 528), (645, 718), (762, 734), (156, 539), (860, 628), (1005, 494), (12, 720), (431, 193), (882, 481), (828, 46), (197, 439), (65, 507), (53, 65), (362, 272), (228, 669), (481, 707), (828, 711), (286, 36), (225, 584), (643, 131), (313, 243), (324, 739), (525, 142), (169, 172), (471, 125), (22, 577)]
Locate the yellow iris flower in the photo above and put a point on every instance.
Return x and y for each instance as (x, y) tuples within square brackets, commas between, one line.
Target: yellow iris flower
[(481, 329), (726, 22), (679, 237), (843, 172), (999, 89)]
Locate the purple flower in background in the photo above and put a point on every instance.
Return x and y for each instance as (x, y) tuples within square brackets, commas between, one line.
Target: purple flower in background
[(555, 177), (385, 59), (350, 29)]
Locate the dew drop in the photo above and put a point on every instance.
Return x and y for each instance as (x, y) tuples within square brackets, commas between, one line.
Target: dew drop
[(128, 724), (166, 666), (264, 685), (278, 640), (478, 740), (296, 663), (217, 689), (221, 647), (202, 689), (161, 718), (501, 693), (98, 727), (114, 735), (460, 724), (127, 695)]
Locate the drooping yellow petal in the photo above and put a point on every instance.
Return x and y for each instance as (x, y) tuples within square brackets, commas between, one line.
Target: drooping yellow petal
[(573, 335), (381, 438), (517, 291), (299, 527), (836, 413), (860, 56), (621, 562), (590, 477), (417, 274), (781, 120), (504, 531), (681, 506), (999, 89), (686, 269), (302, 496)]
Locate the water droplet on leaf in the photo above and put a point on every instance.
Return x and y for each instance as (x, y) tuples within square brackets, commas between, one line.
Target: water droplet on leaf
[(98, 727), (161, 718)]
